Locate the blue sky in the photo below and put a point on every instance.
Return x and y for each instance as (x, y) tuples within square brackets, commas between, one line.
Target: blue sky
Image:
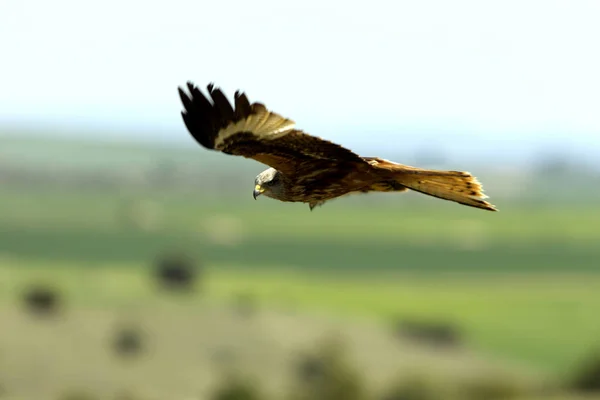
[(502, 73)]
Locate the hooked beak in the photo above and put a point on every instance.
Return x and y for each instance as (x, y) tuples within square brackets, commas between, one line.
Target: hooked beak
[(258, 190)]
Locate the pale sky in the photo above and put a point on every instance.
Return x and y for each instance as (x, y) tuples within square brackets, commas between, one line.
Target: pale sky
[(512, 70)]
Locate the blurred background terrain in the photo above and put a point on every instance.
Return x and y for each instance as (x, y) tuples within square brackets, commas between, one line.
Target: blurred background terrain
[(135, 264)]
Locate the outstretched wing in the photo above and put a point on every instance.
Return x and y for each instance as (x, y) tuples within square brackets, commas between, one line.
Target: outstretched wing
[(252, 131)]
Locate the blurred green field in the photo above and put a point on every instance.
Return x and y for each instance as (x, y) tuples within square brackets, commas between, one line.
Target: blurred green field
[(530, 327), (548, 323), (522, 285), (107, 226)]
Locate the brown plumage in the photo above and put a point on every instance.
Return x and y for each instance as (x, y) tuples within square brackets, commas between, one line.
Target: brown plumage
[(306, 168)]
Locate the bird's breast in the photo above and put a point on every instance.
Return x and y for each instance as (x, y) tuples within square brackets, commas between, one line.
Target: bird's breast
[(327, 186)]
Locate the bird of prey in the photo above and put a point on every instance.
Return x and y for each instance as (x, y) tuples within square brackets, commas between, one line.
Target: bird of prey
[(306, 168)]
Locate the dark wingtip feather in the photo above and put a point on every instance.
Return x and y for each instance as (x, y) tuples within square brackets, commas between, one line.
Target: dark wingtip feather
[(204, 115), (185, 99), (242, 105), (222, 105), (190, 86), (197, 115)]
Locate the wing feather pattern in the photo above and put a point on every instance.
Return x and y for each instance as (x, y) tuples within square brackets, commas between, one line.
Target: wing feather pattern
[(252, 131)]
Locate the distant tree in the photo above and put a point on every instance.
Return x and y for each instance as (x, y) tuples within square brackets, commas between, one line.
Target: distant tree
[(586, 377), (327, 375), (177, 271), (41, 300), (433, 333), (128, 341)]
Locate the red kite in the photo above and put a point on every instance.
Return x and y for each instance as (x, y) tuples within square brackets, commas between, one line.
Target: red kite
[(306, 168)]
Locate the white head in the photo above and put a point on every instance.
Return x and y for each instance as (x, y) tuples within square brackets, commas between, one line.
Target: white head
[(270, 183)]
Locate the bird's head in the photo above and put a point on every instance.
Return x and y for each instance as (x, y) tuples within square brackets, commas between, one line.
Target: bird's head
[(269, 183)]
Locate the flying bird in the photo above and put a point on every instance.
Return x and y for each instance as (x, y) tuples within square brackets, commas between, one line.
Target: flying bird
[(305, 168)]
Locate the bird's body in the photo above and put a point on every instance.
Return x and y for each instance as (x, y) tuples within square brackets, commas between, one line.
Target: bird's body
[(305, 168), (319, 187)]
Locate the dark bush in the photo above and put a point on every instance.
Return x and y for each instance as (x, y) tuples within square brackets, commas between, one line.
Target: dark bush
[(177, 272), (433, 333), (586, 377), (41, 300), (327, 375), (128, 341)]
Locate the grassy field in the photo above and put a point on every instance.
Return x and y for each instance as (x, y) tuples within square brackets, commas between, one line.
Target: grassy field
[(546, 322), (522, 286), (93, 226), (522, 283), (533, 330)]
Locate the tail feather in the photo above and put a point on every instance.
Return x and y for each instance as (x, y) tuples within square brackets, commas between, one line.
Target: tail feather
[(457, 186)]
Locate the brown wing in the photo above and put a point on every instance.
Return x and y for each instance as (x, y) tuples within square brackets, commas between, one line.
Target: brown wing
[(252, 131)]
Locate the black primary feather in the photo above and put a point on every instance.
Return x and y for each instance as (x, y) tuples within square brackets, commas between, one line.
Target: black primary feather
[(204, 118), (242, 105)]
